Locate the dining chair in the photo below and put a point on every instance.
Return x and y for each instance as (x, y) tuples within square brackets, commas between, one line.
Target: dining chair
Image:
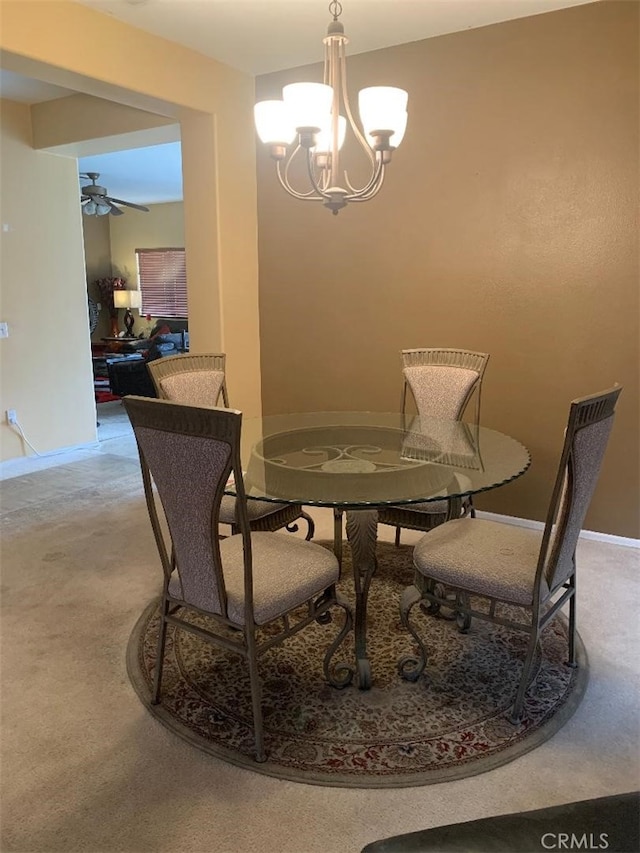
[(200, 380), (515, 576), (442, 382), (256, 589)]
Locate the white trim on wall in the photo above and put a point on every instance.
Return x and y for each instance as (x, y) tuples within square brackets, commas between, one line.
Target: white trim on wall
[(609, 538), (38, 462)]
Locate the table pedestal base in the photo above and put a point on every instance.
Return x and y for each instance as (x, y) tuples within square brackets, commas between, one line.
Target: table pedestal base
[(362, 533)]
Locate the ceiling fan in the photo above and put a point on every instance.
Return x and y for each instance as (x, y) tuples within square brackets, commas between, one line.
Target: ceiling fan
[(96, 202)]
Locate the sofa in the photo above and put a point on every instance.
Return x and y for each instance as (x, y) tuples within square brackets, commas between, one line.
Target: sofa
[(130, 375), (604, 823)]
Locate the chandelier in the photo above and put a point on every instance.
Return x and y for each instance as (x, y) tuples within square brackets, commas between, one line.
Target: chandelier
[(308, 121)]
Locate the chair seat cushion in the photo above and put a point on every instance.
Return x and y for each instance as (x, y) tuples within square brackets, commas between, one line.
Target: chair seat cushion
[(255, 509), (286, 572), (430, 507), (497, 560)]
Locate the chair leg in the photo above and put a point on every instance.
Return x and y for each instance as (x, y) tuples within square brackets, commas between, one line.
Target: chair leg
[(341, 674), (410, 667), (311, 526), (515, 716), (397, 539), (463, 620), (162, 637), (256, 693), (337, 535), (572, 626)]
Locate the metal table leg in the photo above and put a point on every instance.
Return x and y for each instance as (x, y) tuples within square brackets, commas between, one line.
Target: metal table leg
[(362, 532)]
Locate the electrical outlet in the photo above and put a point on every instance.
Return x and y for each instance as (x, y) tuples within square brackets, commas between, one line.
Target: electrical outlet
[(12, 416)]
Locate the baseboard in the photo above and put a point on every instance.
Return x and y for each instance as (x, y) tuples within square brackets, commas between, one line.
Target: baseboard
[(27, 464), (609, 538)]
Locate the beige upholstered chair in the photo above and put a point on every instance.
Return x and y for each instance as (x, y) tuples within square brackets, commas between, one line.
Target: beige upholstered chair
[(442, 382), (191, 379), (199, 380), (248, 582), (479, 566)]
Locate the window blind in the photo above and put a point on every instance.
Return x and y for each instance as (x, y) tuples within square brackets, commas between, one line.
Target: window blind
[(162, 274)]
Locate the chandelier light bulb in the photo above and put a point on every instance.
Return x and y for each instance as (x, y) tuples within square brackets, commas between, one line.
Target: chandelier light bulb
[(324, 140)]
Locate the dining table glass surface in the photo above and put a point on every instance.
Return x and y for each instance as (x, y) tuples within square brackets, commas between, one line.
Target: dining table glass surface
[(358, 462), (361, 459)]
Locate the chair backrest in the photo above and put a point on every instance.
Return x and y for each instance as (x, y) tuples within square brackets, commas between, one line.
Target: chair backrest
[(189, 453), (194, 380), (586, 436), (442, 381)]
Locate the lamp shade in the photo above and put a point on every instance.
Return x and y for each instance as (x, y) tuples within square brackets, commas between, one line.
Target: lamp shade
[(383, 108), (308, 103), (274, 123), (126, 298)]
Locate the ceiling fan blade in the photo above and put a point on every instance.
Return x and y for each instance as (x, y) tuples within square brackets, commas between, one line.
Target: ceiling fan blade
[(114, 210), (129, 204)]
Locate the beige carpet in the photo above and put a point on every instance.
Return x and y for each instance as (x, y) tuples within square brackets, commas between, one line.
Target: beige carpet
[(86, 768)]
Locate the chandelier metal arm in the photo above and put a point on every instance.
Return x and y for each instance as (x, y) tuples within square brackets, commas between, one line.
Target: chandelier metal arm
[(377, 175), (347, 108), (320, 192), (285, 183), (371, 193)]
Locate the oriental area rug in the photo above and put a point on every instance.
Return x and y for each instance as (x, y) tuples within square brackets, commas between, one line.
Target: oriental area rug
[(448, 725)]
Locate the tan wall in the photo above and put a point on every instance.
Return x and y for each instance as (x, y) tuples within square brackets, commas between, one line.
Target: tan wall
[(507, 224), (213, 104), (43, 296), (97, 258)]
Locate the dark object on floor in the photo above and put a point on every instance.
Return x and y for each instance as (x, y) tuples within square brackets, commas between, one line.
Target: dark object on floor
[(605, 823), (132, 377)]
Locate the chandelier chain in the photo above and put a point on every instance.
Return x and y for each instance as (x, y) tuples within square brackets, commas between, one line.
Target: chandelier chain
[(335, 9)]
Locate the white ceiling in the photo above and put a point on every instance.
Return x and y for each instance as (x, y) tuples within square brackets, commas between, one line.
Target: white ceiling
[(150, 175), (259, 36)]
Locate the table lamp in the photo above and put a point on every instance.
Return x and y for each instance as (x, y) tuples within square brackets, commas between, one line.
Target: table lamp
[(127, 299)]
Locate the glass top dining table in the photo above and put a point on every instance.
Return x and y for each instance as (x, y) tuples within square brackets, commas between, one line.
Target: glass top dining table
[(362, 461)]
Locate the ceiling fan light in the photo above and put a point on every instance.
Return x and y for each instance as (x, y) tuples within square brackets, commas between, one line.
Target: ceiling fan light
[(309, 103), (89, 209), (383, 108), (102, 209), (274, 123)]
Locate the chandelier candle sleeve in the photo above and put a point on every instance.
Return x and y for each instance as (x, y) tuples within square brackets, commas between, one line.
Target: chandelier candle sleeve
[(311, 121)]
